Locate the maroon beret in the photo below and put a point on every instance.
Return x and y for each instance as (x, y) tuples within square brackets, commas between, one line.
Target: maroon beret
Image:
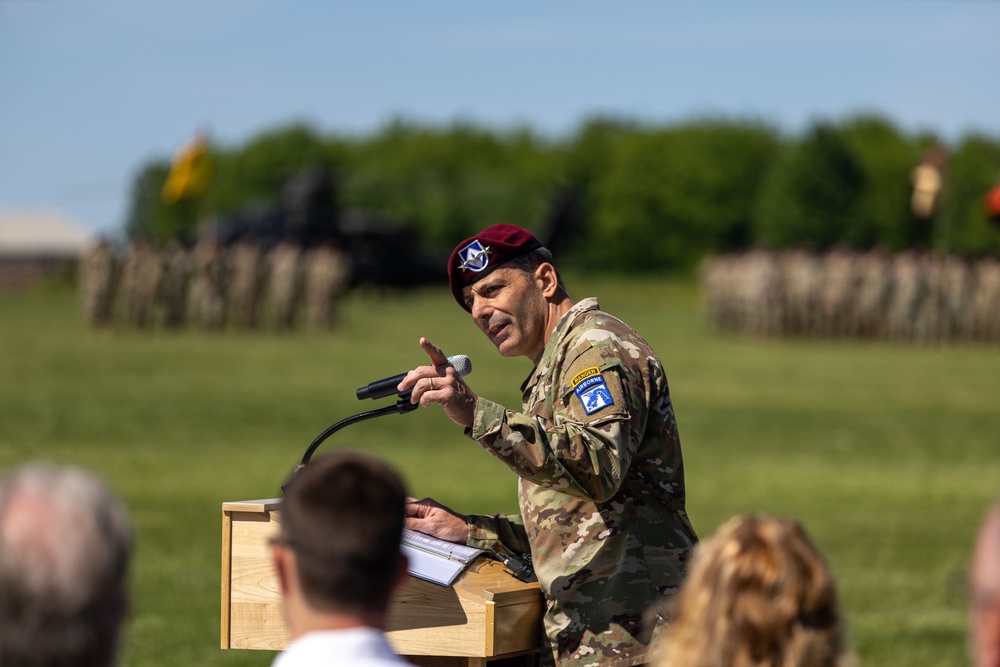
[(477, 256)]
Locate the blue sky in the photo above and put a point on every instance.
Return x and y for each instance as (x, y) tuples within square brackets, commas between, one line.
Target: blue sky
[(90, 90)]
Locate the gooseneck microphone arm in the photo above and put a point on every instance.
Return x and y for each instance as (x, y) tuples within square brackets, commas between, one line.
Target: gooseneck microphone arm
[(379, 389), (402, 406)]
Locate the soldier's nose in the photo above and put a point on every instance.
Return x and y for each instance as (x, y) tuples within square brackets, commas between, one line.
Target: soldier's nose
[(479, 312)]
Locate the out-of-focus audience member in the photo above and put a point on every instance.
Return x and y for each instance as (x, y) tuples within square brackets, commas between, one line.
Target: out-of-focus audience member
[(984, 592), (65, 546), (338, 560), (98, 274), (758, 593)]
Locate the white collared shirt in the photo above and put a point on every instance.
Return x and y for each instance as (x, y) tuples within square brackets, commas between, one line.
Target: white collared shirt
[(354, 647)]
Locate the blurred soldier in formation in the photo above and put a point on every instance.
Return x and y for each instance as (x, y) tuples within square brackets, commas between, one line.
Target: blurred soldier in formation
[(140, 281), (245, 283), (98, 283), (909, 290), (838, 291), (760, 305), (868, 315), (208, 287), (986, 302), (285, 282), (327, 274), (932, 321), (174, 285), (803, 279), (959, 288)]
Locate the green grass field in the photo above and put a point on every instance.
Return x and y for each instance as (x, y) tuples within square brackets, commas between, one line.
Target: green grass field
[(888, 454)]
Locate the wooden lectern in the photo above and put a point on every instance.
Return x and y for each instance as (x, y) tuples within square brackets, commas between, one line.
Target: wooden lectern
[(485, 617)]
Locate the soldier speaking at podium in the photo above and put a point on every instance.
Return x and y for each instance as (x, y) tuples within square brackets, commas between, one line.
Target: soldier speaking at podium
[(595, 446)]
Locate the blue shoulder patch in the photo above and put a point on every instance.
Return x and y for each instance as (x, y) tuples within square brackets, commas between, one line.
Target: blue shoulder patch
[(593, 394)]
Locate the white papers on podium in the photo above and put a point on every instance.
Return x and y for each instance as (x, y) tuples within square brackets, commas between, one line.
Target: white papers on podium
[(435, 560)]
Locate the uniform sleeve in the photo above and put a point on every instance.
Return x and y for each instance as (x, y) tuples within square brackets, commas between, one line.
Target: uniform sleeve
[(584, 450), (498, 530)]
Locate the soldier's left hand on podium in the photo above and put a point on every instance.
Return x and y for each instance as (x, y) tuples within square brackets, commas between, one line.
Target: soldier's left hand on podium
[(431, 517)]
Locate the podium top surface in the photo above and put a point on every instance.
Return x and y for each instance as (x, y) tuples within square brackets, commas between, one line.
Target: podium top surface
[(485, 579), (263, 505)]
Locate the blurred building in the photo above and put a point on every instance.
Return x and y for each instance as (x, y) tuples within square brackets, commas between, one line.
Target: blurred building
[(34, 244)]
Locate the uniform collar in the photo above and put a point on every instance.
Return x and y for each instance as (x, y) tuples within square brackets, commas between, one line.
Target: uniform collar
[(562, 327)]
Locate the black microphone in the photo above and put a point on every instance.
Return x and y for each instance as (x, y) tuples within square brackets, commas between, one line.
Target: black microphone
[(387, 387)]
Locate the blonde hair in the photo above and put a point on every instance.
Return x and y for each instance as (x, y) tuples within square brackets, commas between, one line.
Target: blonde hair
[(758, 594)]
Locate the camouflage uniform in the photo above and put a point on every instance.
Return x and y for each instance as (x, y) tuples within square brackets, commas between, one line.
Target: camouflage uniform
[(601, 490), (285, 283), (98, 282), (325, 277), (141, 281), (245, 283), (174, 285), (208, 286)]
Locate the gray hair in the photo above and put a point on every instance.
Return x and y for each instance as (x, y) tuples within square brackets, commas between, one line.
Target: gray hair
[(65, 545)]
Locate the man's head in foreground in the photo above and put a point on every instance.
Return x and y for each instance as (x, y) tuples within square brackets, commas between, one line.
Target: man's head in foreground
[(338, 554), (65, 545)]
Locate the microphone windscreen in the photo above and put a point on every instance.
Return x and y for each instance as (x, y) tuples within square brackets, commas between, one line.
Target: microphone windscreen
[(462, 364)]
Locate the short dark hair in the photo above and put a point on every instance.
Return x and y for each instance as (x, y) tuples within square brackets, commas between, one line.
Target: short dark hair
[(531, 261), (343, 518)]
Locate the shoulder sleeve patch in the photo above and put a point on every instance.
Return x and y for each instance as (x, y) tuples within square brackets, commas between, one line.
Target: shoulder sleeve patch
[(592, 391)]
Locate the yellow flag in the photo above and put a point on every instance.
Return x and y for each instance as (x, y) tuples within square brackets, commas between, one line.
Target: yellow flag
[(190, 172)]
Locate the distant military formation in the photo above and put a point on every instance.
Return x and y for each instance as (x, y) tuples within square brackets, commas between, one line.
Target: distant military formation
[(211, 286), (910, 296)]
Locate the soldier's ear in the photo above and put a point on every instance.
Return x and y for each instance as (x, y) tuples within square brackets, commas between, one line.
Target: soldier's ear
[(547, 279)]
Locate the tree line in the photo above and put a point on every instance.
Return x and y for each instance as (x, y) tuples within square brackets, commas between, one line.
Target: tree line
[(617, 194)]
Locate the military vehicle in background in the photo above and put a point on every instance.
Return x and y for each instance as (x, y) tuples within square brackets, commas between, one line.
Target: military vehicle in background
[(381, 252)]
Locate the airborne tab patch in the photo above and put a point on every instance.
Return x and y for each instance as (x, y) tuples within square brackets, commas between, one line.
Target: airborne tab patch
[(591, 389)]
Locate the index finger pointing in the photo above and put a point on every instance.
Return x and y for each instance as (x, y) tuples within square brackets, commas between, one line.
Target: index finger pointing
[(434, 352)]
